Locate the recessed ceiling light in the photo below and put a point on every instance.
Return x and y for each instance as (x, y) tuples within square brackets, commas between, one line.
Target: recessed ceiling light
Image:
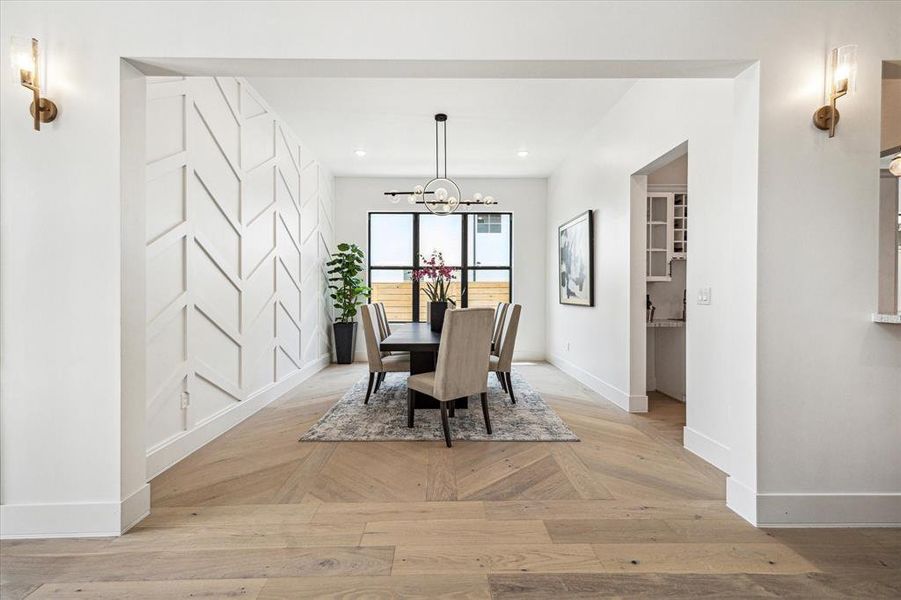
[(522, 153), (360, 152)]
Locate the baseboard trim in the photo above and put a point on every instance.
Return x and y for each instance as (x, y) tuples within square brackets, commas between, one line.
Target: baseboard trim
[(829, 510), (706, 448), (813, 510), (84, 519), (168, 453), (135, 508), (742, 500), (630, 403)]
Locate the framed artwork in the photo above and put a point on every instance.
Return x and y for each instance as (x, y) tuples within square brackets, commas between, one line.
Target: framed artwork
[(575, 251)]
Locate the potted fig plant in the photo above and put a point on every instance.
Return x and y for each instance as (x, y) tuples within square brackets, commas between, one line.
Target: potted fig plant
[(348, 292), (435, 279)]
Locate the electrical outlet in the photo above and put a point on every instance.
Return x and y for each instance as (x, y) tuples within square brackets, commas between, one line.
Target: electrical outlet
[(185, 399), (704, 295)]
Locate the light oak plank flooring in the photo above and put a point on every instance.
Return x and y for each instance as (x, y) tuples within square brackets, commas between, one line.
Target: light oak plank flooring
[(625, 512)]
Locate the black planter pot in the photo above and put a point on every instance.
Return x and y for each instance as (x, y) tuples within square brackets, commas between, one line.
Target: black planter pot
[(345, 342), (436, 315)]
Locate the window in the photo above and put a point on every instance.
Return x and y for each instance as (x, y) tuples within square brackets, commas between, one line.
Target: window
[(477, 245), (488, 223)]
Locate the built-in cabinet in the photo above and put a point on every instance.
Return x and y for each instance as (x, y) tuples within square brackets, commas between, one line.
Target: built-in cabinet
[(667, 233)]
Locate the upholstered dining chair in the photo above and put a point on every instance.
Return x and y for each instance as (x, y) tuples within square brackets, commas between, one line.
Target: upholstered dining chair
[(500, 313), (502, 363), (379, 362), (462, 367), (384, 326)]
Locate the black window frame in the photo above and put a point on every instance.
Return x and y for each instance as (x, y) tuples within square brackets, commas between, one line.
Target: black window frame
[(463, 268)]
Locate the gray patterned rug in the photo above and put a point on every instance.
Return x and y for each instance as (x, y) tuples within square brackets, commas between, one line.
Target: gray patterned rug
[(385, 417)]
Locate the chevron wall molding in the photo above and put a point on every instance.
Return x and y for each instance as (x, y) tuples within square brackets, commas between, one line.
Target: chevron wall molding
[(239, 223)]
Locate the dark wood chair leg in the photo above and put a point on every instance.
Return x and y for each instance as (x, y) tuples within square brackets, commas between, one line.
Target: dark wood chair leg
[(411, 403), (453, 408), (445, 424), (369, 389), (500, 377), (378, 382), (510, 387), (485, 412)]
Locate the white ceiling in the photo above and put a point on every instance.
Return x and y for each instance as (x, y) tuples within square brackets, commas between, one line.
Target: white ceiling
[(489, 120)]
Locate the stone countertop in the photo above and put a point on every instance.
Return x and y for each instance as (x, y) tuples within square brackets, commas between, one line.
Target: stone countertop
[(666, 323)]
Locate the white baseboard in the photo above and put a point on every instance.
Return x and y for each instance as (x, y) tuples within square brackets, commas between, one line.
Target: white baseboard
[(86, 519), (173, 450), (707, 448), (135, 508), (742, 500), (829, 510), (630, 403), (813, 510)]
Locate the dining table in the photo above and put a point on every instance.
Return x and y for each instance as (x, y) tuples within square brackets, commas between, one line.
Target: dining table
[(422, 343)]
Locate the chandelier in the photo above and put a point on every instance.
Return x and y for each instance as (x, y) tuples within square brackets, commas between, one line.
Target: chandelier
[(440, 195)]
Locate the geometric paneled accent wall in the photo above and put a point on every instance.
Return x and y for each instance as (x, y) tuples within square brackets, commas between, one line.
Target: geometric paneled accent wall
[(239, 225)]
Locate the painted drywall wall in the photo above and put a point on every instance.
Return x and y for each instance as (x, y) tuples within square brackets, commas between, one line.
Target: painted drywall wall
[(238, 227), (594, 343), (891, 113), (824, 369), (525, 198)]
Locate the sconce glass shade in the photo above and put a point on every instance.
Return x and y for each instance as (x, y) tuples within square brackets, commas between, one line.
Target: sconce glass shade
[(22, 59), (842, 76), (894, 167)]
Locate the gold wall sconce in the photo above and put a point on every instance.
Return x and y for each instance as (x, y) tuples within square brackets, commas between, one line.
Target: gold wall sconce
[(840, 80), (25, 60)]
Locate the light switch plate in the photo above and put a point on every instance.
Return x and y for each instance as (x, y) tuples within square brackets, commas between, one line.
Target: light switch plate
[(704, 296)]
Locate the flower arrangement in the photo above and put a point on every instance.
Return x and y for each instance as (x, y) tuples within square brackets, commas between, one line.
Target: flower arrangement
[(436, 277)]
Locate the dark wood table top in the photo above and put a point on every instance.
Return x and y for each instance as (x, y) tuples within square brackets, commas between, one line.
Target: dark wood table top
[(412, 337)]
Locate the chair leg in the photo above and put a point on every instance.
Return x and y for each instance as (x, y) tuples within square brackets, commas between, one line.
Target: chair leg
[(453, 408), (485, 412), (445, 424), (411, 403), (510, 387), (378, 382), (500, 377), (369, 389)]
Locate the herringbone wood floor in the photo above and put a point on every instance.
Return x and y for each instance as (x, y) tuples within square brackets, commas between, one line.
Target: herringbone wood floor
[(626, 512)]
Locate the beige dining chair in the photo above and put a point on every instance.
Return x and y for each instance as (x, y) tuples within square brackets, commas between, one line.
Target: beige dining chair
[(502, 364), (379, 362), (384, 325), (462, 367), (500, 312)]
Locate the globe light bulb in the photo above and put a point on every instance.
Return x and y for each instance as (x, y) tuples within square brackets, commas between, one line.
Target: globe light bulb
[(452, 202), (489, 199), (411, 199), (441, 194), (477, 196), (395, 199), (418, 190)]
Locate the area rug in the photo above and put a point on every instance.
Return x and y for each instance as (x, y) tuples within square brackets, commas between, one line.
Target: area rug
[(385, 417)]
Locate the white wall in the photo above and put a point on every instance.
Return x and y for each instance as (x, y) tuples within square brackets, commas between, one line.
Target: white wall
[(355, 197), (825, 411), (595, 344), (238, 226)]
